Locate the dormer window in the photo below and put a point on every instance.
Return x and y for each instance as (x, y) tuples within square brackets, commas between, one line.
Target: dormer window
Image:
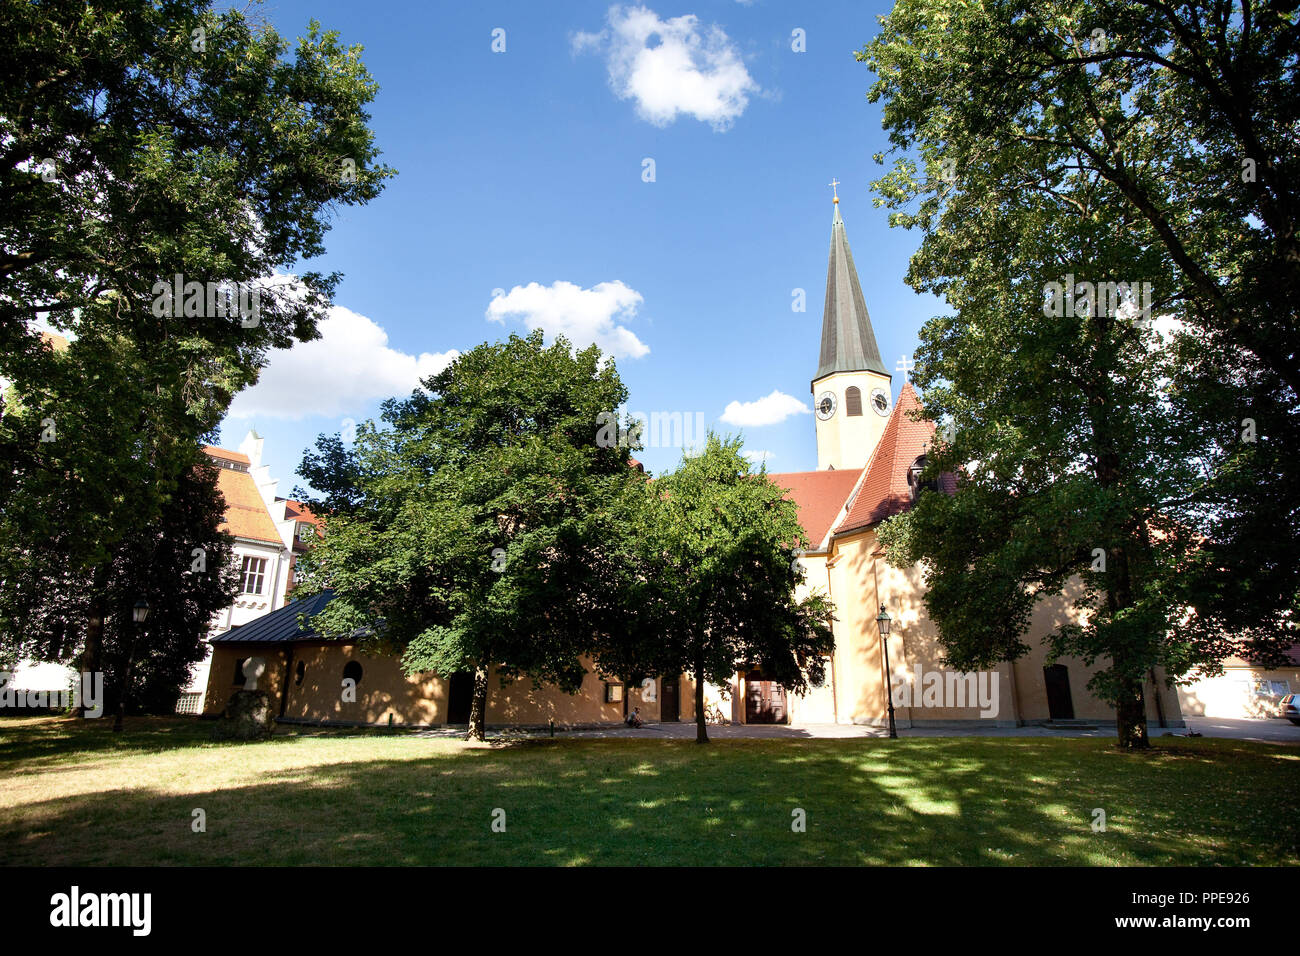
[(914, 482)]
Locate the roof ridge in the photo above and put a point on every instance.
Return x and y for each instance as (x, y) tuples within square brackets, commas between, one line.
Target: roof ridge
[(882, 467)]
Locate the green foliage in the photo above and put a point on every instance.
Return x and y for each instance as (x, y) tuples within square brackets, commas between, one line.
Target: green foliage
[(476, 525), (182, 565), (219, 164), (718, 551), (140, 141), (1044, 152)]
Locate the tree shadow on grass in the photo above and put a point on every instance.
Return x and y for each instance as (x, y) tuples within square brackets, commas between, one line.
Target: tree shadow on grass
[(665, 802)]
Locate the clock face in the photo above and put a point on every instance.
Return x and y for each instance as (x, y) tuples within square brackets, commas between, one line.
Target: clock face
[(880, 401), (825, 405)]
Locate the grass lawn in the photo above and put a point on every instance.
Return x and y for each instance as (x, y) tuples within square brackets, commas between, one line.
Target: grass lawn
[(78, 794)]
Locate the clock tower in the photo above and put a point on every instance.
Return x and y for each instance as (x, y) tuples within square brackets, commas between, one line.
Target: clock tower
[(852, 395)]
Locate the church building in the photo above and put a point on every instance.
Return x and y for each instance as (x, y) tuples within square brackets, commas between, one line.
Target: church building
[(870, 452)]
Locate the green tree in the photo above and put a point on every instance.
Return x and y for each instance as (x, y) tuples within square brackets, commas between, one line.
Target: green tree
[(1187, 111), (182, 566), (718, 561), (142, 141), (476, 527), (1103, 142)]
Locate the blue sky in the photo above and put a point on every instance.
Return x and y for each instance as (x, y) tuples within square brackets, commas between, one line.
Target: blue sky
[(523, 172)]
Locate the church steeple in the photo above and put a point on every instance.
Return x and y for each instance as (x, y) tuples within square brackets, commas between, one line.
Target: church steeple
[(852, 389), (848, 341)]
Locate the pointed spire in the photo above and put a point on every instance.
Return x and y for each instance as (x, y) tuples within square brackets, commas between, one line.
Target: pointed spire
[(848, 341)]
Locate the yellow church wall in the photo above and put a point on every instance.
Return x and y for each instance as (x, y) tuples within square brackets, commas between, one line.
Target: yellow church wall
[(522, 701), (859, 675), (385, 691), (915, 651), (1048, 615), (815, 707), (861, 580), (221, 675), (686, 693)]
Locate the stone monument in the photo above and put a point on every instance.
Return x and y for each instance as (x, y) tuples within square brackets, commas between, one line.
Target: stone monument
[(248, 712)]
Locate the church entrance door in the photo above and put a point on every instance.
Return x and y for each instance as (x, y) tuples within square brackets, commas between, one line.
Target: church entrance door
[(1060, 705), (460, 695), (668, 706), (764, 700)]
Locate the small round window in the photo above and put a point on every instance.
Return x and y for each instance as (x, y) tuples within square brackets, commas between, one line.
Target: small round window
[(352, 671)]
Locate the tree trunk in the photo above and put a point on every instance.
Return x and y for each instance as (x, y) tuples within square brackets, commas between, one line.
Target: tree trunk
[(478, 706), (701, 733), (1131, 718), (94, 650), (1130, 708), (124, 682)]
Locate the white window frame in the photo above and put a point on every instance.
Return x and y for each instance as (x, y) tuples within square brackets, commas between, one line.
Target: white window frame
[(245, 572)]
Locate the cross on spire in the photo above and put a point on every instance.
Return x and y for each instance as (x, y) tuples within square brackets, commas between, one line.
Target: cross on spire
[(905, 365), (833, 184)]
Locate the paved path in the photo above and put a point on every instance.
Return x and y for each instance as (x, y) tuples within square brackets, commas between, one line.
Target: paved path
[(1268, 730)]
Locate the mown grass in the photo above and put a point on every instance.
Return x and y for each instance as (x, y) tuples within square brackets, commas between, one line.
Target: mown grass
[(78, 794)]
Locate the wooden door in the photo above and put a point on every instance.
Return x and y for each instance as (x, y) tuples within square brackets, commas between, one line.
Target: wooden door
[(669, 709), (1060, 705), (764, 700)]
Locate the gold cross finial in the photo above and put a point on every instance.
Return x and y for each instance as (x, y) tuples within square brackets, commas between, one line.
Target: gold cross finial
[(833, 183)]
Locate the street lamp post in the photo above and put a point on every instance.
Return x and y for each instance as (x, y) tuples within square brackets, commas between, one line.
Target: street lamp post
[(139, 614), (882, 622)]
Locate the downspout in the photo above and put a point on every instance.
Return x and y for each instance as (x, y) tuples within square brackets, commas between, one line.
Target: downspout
[(835, 687), (884, 675), (1015, 694)]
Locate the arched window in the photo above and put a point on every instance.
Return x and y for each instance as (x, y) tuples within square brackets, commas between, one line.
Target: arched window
[(352, 670), (302, 672), (914, 481), (852, 400)]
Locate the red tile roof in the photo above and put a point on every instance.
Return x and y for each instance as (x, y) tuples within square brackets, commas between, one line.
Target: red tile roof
[(225, 453), (297, 511), (246, 515), (820, 495), (885, 492)]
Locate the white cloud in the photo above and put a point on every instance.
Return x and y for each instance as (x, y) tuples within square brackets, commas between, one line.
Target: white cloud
[(672, 67), (768, 410), (348, 367), (758, 456), (583, 316)]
